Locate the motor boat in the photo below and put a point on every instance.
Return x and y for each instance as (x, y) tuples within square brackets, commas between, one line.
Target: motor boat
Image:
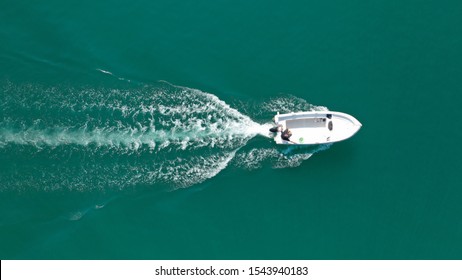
[(316, 127)]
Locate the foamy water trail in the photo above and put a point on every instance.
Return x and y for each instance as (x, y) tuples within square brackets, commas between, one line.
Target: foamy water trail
[(132, 138), (85, 139), (162, 117)]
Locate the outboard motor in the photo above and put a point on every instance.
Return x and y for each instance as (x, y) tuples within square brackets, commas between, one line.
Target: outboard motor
[(274, 129)]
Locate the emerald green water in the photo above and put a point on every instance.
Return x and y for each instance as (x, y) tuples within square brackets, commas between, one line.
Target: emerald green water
[(137, 130)]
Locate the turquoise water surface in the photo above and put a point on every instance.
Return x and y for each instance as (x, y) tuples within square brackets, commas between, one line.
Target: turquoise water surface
[(138, 130)]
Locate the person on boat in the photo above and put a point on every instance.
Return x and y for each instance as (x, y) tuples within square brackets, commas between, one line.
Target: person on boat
[(285, 135)]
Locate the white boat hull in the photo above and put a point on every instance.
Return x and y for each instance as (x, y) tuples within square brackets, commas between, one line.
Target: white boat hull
[(318, 127)]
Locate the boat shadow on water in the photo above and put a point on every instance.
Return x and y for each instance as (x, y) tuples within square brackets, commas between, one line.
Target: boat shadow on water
[(259, 154)]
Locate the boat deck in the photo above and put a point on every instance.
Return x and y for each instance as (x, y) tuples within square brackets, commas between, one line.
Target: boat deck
[(316, 133)]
